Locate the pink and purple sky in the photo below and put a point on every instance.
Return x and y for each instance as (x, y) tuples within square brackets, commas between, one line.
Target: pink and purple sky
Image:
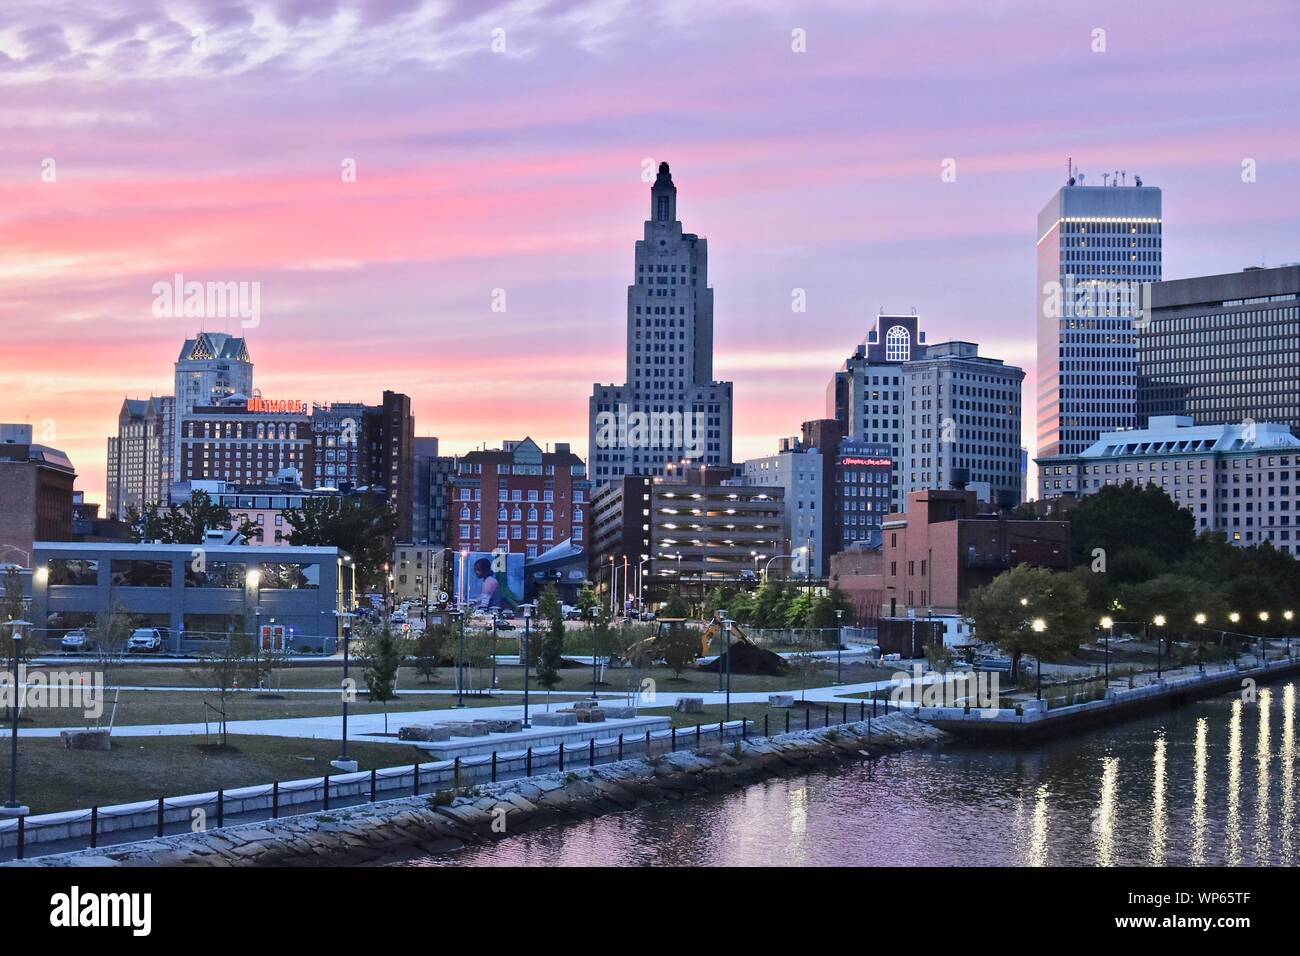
[(220, 158)]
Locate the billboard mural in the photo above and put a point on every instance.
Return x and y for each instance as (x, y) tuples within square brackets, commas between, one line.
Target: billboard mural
[(486, 579)]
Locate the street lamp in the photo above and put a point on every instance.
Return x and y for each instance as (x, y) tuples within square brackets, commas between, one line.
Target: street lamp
[(726, 629), (1287, 616), (1039, 626), (1263, 651), (1109, 624), (1200, 643), (460, 660), (13, 808), (839, 645), (595, 612), (1158, 621), (721, 618), (344, 762), (528, 618), (495, 614)]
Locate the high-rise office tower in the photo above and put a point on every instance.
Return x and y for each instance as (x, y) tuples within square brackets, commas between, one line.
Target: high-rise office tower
[(670, 409), (1222, 349), (1098, 245), (941, 412)]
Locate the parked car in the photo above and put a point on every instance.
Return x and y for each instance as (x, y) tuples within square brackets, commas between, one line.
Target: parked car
[(76, 642), (146, 640), (399, 617), (571, 613)]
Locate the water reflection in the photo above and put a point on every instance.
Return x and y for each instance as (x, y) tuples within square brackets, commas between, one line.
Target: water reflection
[(1158, 804), (1286, 759), (1166, 790), (1198, 792), (1232, 825)]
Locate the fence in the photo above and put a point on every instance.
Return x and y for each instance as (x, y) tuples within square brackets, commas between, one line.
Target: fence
[(124, 823)]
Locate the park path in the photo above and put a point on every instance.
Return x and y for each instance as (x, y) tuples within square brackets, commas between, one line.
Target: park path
[(361, 725)]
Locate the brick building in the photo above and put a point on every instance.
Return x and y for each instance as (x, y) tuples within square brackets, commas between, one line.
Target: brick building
[(945, 546), (519, 498), (35, 494)]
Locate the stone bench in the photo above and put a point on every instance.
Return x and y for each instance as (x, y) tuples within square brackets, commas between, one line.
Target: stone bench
[(590, 715), (780, 700), (689, 705), (620, 713), (555, 719), (90, 739), (421, 732)]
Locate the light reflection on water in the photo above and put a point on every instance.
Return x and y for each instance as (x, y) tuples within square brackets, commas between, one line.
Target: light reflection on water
[(1167, 790)]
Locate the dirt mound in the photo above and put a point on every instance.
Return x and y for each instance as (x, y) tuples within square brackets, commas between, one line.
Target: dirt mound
[(749, 659)]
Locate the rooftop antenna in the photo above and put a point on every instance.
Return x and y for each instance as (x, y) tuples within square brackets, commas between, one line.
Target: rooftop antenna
[(1069, 171), (1123, 175), (1104, 177)]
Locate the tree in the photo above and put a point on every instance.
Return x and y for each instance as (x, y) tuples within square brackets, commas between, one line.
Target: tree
[(1178, 598), (111, 631), (552, 639), (186, 523), (770, 604), (430, 648), (742, 607), (676, 607), (383, 661), (679, 646), (221, 669), (363, 526), (798, 610), (1004, 610), (1119, 515)]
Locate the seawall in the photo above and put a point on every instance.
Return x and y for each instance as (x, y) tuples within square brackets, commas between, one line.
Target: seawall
[(448, 821)]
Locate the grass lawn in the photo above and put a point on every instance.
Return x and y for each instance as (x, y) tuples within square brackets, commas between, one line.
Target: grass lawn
[(51, 778), (164, 707)]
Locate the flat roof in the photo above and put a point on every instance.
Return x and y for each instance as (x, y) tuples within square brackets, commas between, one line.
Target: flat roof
[(127, 547)]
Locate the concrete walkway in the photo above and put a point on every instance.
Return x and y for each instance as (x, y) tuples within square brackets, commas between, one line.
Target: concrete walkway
[(360, 725)]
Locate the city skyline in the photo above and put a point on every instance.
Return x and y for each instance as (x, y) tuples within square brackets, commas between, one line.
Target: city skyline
[(479, 170)]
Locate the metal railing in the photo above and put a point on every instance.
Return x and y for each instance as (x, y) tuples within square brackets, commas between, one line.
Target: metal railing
[(102, 826)]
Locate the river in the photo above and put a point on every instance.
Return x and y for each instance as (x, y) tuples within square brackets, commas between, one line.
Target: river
[(1210, 783)]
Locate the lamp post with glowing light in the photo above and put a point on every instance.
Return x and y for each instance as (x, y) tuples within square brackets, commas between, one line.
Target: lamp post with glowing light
[(1288, 616), (1235, 618), (1108, 623), (1159, 622), (1263, 650), (1038, 625), (1200, 644)]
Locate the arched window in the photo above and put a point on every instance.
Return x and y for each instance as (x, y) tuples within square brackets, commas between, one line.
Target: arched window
[(898, 344)]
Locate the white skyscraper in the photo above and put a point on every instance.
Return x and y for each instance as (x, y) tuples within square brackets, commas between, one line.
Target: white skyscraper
[(1098, 246), (670, 408)]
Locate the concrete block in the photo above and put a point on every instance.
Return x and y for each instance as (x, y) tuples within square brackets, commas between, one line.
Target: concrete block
[(558, 718), (689, 705), (780, 700), (423, 732), (91, 739), (620, 713)]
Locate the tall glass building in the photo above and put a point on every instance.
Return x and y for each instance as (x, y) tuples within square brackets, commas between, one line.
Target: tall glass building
[(1097, 247)]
